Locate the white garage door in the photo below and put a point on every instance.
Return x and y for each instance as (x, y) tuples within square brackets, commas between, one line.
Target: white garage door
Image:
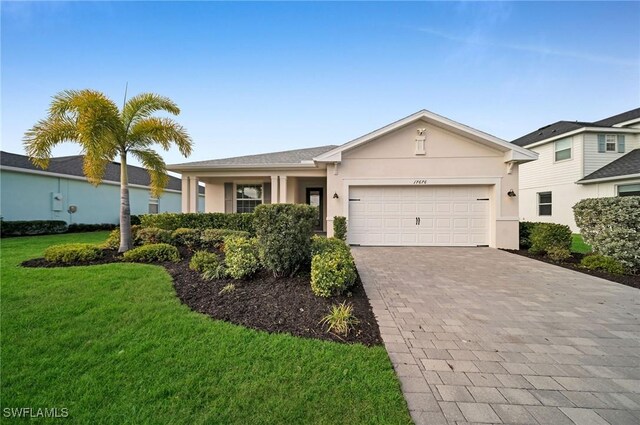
[(419, 215)]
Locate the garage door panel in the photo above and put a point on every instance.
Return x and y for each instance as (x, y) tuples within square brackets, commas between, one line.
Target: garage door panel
[(449, 215)]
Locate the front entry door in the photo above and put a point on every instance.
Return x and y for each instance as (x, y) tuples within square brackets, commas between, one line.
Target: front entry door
[(314, 198)]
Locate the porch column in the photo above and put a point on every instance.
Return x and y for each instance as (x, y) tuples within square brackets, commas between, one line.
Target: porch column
[(185, 194), (193, 194), (274, 189), (283, 189)]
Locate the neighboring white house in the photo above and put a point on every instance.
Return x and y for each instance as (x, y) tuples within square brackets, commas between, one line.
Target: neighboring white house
[(579, 160), (422, 180), (62, 192)]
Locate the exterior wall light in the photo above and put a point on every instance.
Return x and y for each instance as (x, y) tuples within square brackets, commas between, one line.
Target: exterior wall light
[(511, 193)]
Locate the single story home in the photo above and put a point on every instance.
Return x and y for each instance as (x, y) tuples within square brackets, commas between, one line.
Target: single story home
[(423, 180), (579, 160), (62, 192)]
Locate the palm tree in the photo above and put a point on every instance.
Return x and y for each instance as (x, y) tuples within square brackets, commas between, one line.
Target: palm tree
[(104, 132)]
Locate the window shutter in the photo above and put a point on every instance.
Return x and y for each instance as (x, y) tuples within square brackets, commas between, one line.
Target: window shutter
[(228, 197), (620, 143), (266, 193), (601, 143)]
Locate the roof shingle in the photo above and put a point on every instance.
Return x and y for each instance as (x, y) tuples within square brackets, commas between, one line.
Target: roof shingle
[(626, 165)]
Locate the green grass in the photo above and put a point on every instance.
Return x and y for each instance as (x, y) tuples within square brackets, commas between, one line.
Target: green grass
[(113, 344), (578, 245)]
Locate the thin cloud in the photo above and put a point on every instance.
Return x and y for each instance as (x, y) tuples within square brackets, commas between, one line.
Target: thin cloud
[(530, 48)]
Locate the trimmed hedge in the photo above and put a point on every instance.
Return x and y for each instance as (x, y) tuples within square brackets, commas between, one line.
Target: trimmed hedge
[(213, 238), (284, 236), (153, 253), (81, 228), (241, 257), (173, 221), (612, 227), (550, 238), (202, 261), (602, 262), (525, 228), (320, 244), (332, 272), (153, 235), (113, 240), (340, 227), (191, 238), (72, 252), (32, 227)]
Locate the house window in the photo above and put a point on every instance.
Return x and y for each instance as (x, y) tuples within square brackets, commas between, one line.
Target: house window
[(544, 203), (610, 142), (563, 149), (629, 189), (153, 205), (248, 197)]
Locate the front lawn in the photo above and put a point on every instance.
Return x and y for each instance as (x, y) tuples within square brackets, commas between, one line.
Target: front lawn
[(113, 344), (578, 244)]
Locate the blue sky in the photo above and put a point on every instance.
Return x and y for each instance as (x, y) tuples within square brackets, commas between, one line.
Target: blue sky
[(260, 77)]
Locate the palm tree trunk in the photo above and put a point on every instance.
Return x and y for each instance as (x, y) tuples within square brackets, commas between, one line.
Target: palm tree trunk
[(125, 207)]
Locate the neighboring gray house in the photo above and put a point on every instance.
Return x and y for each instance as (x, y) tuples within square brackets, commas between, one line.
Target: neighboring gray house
[(31, 193), (579, 160)]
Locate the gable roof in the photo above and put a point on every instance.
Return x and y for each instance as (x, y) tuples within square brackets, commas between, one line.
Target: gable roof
[(627, 165), (294, 157), (563, 127), (512, 153), (72, 166)]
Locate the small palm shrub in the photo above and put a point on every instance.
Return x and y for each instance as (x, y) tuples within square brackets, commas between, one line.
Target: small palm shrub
[(152, 253), (340, 227), (332, 272), (602, 262), (202, 261), (153, 235), (214, 238), (340, 320), (241, 257), (191, 238), (72, 252), (545, 236), (113, 240)]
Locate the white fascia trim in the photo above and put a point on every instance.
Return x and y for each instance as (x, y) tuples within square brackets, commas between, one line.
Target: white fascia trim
[(609, 179), (625, 123), (185, 167), (335, 155), (585, 130), (70, 177)]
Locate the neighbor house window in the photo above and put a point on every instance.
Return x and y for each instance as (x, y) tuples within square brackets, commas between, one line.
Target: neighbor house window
[(610, 142), (544, 203), (629, 189), (153, 205), (563, 149), (248, 197)]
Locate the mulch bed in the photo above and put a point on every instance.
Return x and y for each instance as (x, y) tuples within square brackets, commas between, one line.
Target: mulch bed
[(573, 263), (263, 302)]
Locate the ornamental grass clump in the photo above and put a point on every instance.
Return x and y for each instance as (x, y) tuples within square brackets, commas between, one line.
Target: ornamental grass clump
[(341, 319)]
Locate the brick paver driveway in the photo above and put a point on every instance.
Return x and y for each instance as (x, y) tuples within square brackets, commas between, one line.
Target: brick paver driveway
[(481, 335)]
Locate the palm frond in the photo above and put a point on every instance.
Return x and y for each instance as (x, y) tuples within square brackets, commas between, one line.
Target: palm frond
[(155, 166), (143, 105), (40, 139), (163, 131), (94, 166)]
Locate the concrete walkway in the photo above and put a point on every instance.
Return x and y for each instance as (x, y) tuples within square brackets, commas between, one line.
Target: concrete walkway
[(481, 335)]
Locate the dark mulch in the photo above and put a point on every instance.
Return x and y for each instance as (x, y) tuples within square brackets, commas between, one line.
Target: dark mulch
[(573, 263), (263, 302)]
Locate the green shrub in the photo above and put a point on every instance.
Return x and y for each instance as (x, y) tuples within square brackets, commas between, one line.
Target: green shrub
[(284, 236), (72, 252), (219, 272), (602, 262), (241, 257), (213, 238), (340, 320), (153, 235), (173, 221), (191, 238), (340, 227), (32, 227), (202, 261), (558, 253), (332, 272), (113, 240), (525, 228), (153, 253), (545, 236), (135, 220), (612, 227), (81, 228), (320, 244)]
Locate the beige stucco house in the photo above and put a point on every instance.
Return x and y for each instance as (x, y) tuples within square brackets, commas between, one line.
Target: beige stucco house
[(579, 160), (423, 180)]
